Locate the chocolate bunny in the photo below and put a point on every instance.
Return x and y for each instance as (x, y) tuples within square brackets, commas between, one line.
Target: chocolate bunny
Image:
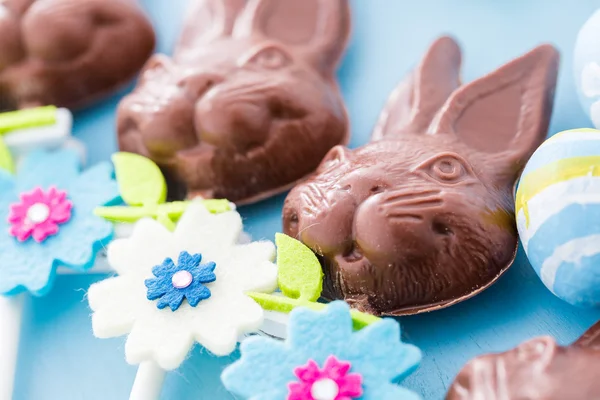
[(423, 216), (69, 52), (538, 369), (248, 105)]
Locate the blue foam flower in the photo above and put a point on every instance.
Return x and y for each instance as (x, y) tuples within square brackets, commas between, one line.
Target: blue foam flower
[(165, 288), (267, 366), (31, 266)]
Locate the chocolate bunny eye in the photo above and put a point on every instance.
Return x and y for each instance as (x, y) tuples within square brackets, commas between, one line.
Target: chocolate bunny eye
[(271, 57), (446, 168)]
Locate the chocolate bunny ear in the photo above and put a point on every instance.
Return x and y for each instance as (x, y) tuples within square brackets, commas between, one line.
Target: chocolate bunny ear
[(591, 338), (208, 20), (506, 113), (318, 29), (414, 103)]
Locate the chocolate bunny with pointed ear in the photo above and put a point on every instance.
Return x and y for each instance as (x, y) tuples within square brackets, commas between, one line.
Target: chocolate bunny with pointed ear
[(423, 216), (69, 52), (248, 105), (538, 369)]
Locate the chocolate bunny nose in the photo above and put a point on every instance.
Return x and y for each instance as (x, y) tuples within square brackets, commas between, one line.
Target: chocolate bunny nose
[(238, 125), (326, 230), (164, 127), (386, 231)]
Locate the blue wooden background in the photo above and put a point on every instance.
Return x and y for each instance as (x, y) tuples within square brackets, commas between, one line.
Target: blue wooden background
[(60, 358)]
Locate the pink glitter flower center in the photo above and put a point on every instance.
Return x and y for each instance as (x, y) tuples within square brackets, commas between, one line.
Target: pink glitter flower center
[(38, 214), (332, 382)]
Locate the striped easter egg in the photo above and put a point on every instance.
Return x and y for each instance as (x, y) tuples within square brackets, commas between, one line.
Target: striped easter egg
[(558, 215)]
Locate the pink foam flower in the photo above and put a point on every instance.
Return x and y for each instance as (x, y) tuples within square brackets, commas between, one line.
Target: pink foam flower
[(39, 213), (332, 382)]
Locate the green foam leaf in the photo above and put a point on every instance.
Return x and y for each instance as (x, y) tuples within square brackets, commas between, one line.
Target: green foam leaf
[(274, 303), (217, 206), (123, 213), (167, 222), (300, 274), (286, 305), (140, 180), (29, 118), (162, 212), (361, 319), (6, 161)]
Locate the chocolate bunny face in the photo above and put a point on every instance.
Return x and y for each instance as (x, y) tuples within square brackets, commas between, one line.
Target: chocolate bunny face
[(248, 104), (423, 216), (536, 370), (69, 52)]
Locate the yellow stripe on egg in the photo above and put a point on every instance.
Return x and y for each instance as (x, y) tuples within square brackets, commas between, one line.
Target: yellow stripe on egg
[(555, 172)]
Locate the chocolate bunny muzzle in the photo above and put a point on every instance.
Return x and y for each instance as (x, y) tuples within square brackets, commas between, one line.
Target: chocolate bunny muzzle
[(248, 104), (423, 216)]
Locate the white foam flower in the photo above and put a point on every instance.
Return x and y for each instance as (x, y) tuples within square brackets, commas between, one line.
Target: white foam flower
[(120, 304)]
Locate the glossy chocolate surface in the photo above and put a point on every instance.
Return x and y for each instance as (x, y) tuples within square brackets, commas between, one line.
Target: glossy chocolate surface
[(248, 105), (423, 216), (69, 52), (536, 370)]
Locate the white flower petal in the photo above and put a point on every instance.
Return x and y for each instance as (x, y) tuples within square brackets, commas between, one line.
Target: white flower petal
[(151, 341), (249, 267), (199, 229), (115, 302), (227, 317), (166, 336), (255, 252), (150, 243), (148, 229), (120, 257)]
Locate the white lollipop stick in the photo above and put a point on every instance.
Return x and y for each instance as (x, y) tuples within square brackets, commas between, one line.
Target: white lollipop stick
[(148, 382), (20, 142), (10, 327)]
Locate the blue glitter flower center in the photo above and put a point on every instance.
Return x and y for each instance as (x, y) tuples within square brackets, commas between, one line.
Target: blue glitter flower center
[(186, 280)]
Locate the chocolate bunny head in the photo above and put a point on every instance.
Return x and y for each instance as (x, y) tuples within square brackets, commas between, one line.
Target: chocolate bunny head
[(538, 369), (69, 52), (248, 105), (423, 216)]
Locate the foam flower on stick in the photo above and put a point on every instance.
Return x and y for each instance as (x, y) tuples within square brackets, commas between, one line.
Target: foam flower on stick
[(47, 212), (178, 287), (46, 221), (323, 358)]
